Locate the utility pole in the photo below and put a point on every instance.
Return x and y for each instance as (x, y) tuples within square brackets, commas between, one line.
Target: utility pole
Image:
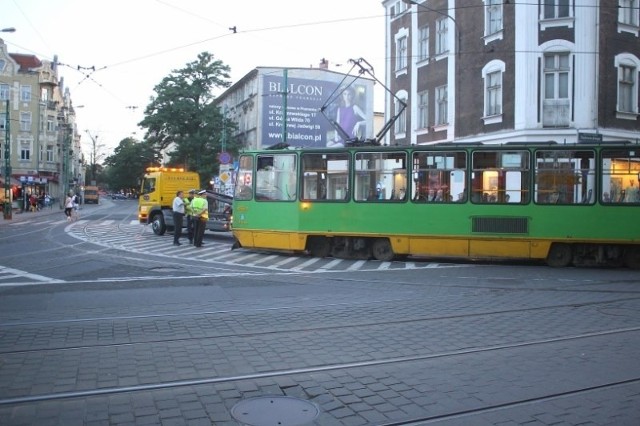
[(94, 156), (65, 163), (7, 165), (285, 94)]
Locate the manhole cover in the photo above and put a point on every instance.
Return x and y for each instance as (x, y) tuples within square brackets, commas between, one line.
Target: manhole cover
[(274, 411)]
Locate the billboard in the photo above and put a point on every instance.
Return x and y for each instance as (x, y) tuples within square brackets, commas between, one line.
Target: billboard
[(322, 108)]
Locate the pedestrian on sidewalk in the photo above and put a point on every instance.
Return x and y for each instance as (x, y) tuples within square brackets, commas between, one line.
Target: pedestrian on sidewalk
[(68, 206)]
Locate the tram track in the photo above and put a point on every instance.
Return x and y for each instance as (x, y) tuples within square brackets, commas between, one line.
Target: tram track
[(351, 325), (510, 405), (318, 369)]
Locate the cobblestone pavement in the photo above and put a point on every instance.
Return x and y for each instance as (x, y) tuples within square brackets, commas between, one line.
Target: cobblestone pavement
[(481, 345)]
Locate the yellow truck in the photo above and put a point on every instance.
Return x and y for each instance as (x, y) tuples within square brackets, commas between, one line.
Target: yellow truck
[(159, 188), (91, 195)]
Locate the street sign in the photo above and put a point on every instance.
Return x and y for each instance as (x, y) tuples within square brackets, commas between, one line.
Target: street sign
[(224, 157), (589, 137)]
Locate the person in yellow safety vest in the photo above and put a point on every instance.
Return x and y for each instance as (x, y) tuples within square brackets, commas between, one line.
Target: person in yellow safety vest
[(189, 214), (200, 208)]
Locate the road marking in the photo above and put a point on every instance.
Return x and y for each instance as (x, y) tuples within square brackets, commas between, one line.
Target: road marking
[(16, 273), (307, 263), (330, 265)]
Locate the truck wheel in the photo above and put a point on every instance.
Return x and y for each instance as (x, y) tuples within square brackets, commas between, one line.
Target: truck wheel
[(157, 224)]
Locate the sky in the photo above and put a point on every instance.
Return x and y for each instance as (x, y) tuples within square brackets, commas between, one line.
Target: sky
[(114, 52)]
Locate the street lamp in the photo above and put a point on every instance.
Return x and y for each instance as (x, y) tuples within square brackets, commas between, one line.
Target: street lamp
[(8, 30), (455, 24)]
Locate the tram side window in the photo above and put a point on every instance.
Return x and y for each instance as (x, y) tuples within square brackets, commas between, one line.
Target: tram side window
[(439, 177), (500, 177), (380, 176), (620, 176), (565, 177), (325, 176), (244, 179), (276, 177)]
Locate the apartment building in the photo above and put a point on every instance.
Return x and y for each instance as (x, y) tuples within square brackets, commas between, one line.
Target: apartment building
[(40, 141), (304, 99), (513, 71)]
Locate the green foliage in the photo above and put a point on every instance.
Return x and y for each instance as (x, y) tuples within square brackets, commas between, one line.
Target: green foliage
[(182, 120), (126, 166)]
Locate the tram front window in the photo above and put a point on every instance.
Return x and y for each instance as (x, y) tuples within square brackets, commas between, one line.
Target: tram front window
[(276, 177), (244, 179)]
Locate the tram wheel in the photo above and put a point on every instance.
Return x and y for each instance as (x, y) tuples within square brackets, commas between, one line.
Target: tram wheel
[(381, 250), (560, 255), (319, 246), (632, 257)]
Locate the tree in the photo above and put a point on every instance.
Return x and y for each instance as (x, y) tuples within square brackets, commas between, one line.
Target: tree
[(183, 121), (126, 166)]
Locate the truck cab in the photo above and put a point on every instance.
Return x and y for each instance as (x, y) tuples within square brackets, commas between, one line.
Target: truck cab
[(159, 188)]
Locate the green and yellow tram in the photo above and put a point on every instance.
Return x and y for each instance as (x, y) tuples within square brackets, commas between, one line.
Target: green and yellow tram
[(564, 203)]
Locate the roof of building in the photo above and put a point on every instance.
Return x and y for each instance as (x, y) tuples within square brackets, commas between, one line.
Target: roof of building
[(26, 62)]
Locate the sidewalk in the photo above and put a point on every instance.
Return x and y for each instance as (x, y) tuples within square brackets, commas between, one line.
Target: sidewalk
[(19, 216)]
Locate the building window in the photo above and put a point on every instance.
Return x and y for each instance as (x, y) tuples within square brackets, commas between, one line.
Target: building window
[(25, 93), (423, 110), (493, 16), (628, 67), (628, 17), (554, 9), (492, 76), (50, 153), (556, 13), (627, 88), (423, 43), (556, 101), (398, 8), (400, 128), (493, 83), (51, 124), (3, 63), (441, 36), (628, 12), (25, 121), (442, 106), (401, 53), (4, 92), (25, 153)]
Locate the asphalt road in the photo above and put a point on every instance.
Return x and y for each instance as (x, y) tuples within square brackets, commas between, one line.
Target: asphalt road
[(104, 323)]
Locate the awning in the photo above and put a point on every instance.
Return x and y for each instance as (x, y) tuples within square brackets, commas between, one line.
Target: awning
[(12, 181)]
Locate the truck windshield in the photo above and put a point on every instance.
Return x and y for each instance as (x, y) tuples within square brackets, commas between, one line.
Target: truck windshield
[(148, 185)]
